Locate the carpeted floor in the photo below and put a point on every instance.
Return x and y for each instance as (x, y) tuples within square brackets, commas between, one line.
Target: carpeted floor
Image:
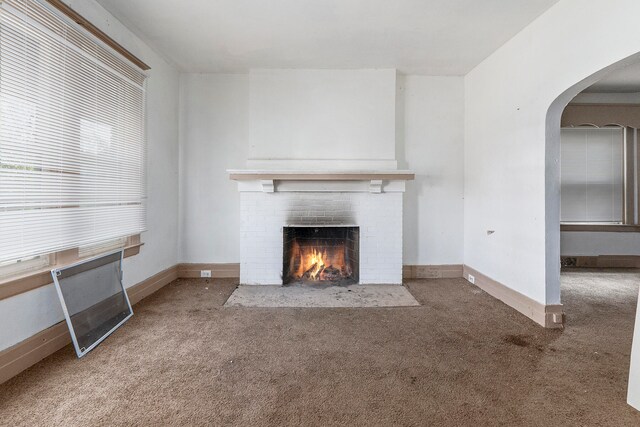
[(462, 358)]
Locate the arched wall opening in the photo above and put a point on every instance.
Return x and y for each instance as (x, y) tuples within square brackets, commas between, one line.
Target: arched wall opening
[(513, 105), (552, 172), (553, 202)]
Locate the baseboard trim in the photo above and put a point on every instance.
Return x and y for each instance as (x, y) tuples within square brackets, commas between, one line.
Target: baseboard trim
[(23, 355), (152, 284), (219, 271), (446, 271), (232, 270), (27, 353), (601, 261), (549, 316)]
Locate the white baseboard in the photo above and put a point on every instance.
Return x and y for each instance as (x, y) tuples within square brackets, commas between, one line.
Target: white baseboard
[(549, 316)]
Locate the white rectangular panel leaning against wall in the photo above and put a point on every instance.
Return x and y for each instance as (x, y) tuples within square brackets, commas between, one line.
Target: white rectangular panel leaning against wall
[(633, 396), (322, 114)]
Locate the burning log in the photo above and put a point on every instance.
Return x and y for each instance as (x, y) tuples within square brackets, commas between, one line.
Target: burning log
[(307, 274), (313, 272), (331, 273)]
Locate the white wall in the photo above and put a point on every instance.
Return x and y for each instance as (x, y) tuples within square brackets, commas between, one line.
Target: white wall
[(214, 131), (26, 314), (215, 112), (607, 98), (430, 141), (633, 396), (322, 114), (582, 243), (509, 147)]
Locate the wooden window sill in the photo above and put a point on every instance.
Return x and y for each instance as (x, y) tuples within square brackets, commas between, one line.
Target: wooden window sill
[(612, 228), (31, 280)]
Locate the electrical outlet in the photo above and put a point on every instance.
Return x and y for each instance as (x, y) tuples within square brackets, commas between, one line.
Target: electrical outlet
[(205, 273), (472, 279)]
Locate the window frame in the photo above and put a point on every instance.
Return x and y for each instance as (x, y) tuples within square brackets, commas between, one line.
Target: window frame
[(24, 281), (612, 114), (24, 266), (25, 269), (631, 186)]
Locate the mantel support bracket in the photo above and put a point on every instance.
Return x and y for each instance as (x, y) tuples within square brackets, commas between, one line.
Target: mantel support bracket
[(375, 186), (267, 185)]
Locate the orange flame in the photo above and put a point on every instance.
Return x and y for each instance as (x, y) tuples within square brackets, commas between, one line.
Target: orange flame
[(310, 261), (316, 259)]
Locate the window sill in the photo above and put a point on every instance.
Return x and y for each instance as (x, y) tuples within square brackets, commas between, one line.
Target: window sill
[(612, 228), (16, 285)]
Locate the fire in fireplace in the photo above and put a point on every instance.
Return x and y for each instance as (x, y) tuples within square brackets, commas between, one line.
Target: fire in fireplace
[(320, 255)]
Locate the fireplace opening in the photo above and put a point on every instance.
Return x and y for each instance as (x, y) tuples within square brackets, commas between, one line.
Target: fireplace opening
[(320, 255)]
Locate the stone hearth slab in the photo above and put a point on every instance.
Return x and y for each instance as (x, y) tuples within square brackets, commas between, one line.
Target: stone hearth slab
[(321, 296)]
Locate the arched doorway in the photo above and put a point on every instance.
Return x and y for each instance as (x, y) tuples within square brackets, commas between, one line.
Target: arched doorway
[(552, 171), (616, 113)]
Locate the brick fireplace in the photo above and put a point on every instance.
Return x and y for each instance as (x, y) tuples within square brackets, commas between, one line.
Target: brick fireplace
[(273, 203), (315, 254)]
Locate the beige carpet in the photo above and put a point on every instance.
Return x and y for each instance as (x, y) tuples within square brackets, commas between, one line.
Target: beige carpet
[(461, 358), (310, 296)]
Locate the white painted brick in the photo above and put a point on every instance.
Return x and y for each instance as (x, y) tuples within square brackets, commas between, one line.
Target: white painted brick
[(263, 215)]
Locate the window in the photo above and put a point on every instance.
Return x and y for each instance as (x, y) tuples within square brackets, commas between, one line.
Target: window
[(72, 137), (102, 247), (592, 175), (25, 265)]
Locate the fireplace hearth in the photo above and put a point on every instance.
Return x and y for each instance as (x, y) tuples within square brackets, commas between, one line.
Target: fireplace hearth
[(321, 255)]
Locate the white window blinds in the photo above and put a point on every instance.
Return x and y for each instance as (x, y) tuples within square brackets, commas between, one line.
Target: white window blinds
[(72, 135), (592, 175)]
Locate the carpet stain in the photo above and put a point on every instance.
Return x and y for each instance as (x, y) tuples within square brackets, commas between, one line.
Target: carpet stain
[(519, 340)]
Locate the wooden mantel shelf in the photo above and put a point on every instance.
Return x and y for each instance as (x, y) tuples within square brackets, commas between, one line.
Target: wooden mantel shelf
[(293, 175)]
